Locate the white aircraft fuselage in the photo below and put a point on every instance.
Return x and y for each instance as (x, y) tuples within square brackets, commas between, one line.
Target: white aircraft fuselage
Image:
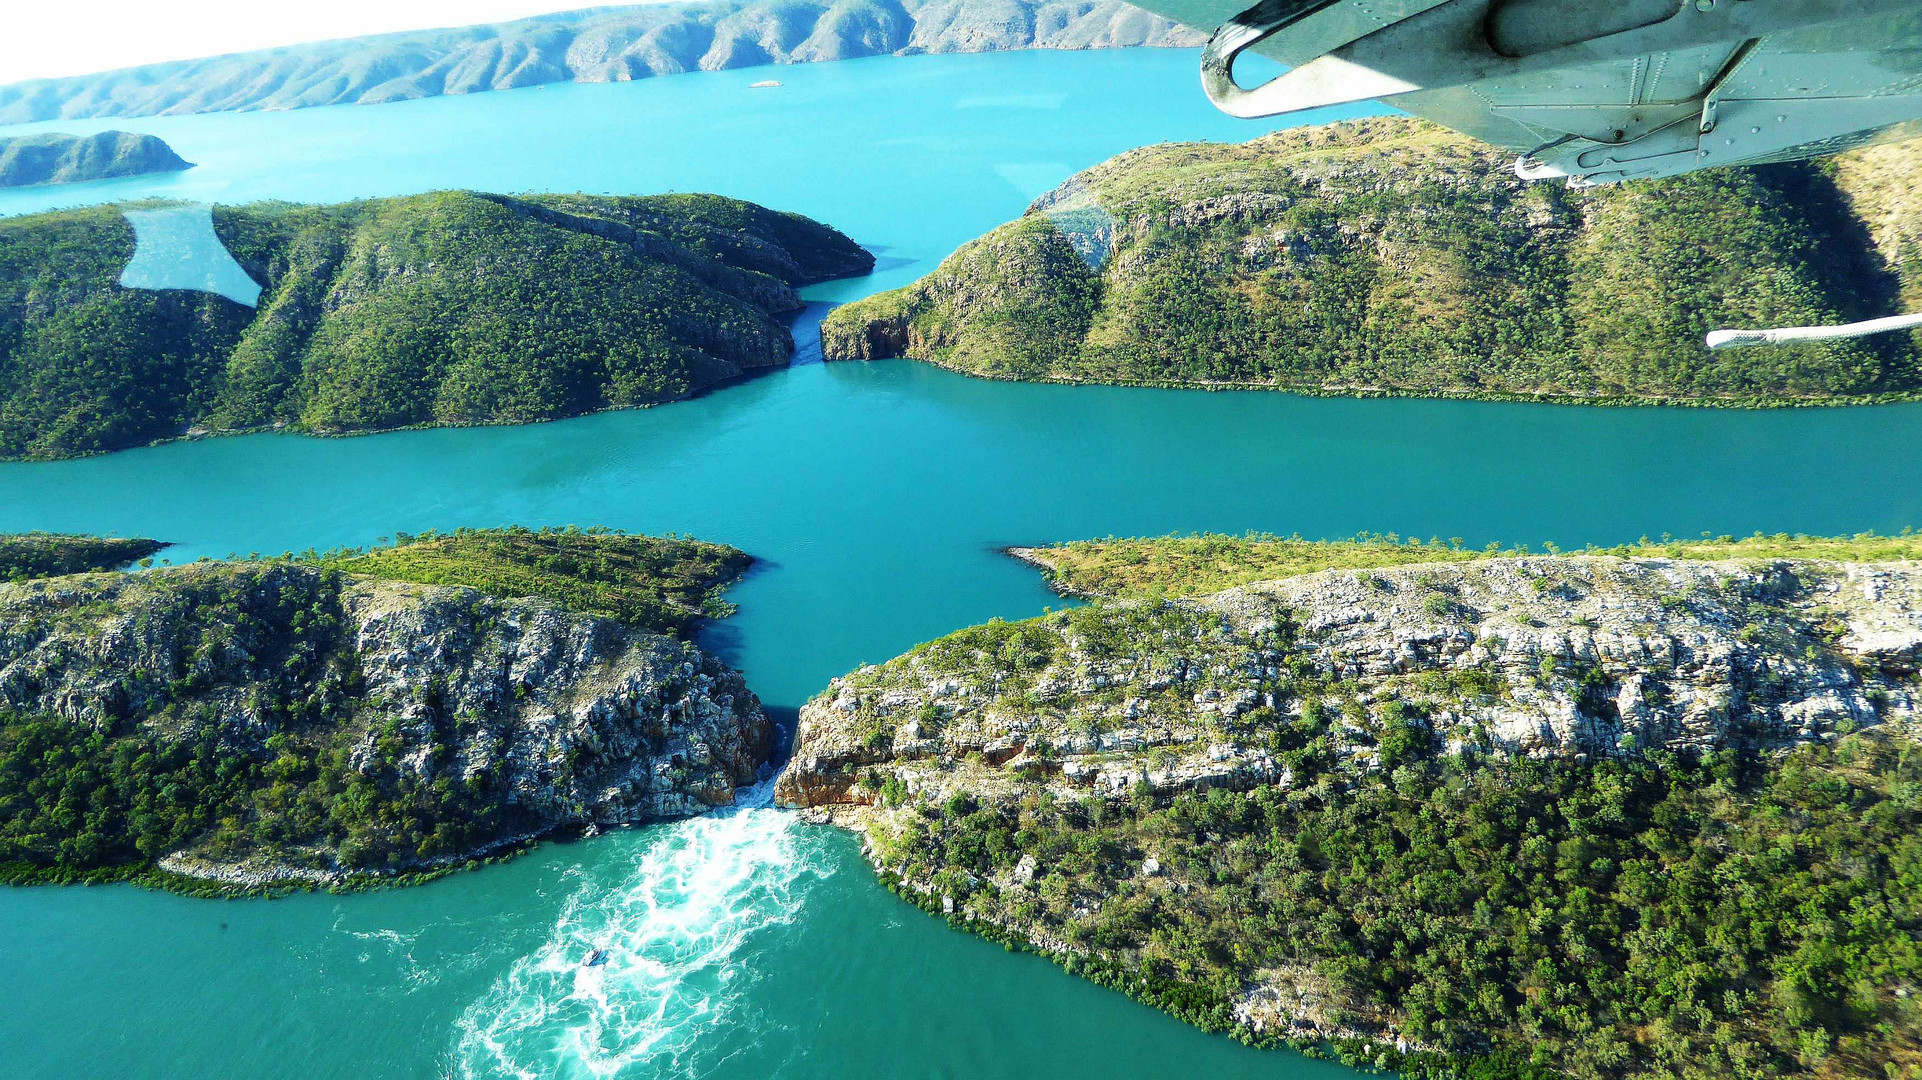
[(1595, 91)]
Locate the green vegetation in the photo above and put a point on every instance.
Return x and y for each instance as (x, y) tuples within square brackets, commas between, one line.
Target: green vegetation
[(1198, 565), (664, 585), (1723, 917), (79, 798), (444, 308), (54, 158), (1391, 256), (78, 805), (319, 771), (1333, 815), (33, 555)]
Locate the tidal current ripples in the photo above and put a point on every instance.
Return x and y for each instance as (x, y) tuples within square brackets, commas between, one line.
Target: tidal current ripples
[(676, 921)]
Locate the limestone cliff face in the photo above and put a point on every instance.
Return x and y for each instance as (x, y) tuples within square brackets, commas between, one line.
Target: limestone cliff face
[(591, 723), (597, 45), (1534, 657), (522, 717)]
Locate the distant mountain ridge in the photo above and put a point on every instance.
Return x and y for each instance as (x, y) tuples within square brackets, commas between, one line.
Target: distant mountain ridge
[(596, 45), (55, 158)]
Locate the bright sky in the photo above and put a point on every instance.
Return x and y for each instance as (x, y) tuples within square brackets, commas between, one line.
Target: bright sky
[(39, 38)]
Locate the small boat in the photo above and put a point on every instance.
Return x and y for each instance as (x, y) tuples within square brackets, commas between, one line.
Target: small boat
[(764, 84), (595, 958)]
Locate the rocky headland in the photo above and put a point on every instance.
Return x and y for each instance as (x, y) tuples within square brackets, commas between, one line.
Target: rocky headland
[(1436, 813), (25, 555), (1390, 256), (53, 158), (286, 721), (596, 45)]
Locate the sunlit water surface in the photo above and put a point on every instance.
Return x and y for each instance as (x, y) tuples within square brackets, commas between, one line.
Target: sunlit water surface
[(748, 944)]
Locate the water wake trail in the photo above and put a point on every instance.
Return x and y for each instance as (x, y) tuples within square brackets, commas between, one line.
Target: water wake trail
[(674, 917)]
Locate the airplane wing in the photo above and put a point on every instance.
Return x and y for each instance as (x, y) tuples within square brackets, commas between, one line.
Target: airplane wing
[(1596, 91)]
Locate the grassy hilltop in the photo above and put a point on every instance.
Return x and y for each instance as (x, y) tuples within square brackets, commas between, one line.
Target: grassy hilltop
[(1392, 256), (665, 585), (452, 307), (1164, 566)]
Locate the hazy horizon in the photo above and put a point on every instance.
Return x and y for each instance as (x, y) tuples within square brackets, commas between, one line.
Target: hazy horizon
[(88, 36)]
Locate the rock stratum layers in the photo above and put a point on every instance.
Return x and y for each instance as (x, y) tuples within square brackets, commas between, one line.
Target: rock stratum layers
[(1392, 256), (1434, 812), (1566, 657), (597, 45), (54, 158), (267, 722), (445, 308)]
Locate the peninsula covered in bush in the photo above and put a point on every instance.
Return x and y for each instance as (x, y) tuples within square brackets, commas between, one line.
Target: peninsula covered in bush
[(53, 158), (604, 44), (1392, 256), (362, 715), (25, 555), (452, 307), (1647, 812)]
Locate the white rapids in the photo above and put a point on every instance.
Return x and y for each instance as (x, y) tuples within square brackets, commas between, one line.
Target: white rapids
[(695, 895)]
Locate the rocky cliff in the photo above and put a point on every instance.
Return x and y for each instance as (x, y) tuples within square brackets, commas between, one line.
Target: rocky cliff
[(67, 159), (1328, 807), (252, 723), (1533, 657), (444, 308), (1392, 256), (596, 45)]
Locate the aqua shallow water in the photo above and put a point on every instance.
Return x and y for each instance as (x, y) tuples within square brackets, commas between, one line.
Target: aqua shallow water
[(750, 945)]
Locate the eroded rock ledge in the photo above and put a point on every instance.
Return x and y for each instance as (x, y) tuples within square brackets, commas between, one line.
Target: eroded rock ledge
[(1526, 656)]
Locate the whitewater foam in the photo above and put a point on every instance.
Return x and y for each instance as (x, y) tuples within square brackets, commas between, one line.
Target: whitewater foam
[(675, 923)]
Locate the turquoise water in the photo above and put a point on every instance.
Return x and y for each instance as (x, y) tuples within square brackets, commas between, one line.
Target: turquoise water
[(912, 157), (749, 945)]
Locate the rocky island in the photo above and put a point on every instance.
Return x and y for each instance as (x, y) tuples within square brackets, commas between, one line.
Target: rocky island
[(357, 716), (602, 44), (1390, 256), (25, 555), (1633, 813), (452, 307), (53, 158)]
